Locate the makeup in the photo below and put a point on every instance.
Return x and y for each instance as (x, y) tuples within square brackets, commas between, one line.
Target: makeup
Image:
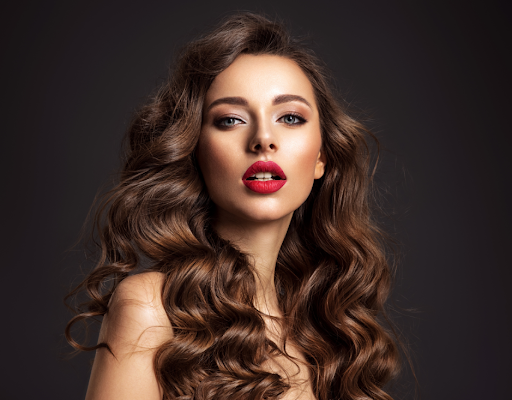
[(272, 123), (264, 177)]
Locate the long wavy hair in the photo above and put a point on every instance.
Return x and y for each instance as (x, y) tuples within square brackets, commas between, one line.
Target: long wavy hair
[(332, 273)]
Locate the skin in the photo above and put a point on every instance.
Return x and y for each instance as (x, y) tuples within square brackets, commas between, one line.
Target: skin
[(262, 126), (234, 136)]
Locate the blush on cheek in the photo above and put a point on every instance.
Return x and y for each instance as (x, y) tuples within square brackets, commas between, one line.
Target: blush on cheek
[(307, 156), (217, 165)]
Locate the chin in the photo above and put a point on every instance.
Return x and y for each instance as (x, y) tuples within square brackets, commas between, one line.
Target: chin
[(263, 212), (266, 216), (259, 209)]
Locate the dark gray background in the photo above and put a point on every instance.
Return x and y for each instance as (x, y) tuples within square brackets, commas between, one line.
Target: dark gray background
[(434, 76)]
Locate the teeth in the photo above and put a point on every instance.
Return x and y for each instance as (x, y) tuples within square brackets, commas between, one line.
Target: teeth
[(260, 175), (263, 176)]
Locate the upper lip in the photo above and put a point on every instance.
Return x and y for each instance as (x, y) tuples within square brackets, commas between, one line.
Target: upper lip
[(264, 166)]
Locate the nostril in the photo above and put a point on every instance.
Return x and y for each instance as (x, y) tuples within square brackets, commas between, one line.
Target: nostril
[(271, 146), (258, 147)]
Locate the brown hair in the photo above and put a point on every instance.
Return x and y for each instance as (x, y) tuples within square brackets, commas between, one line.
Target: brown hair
[(332, 272)]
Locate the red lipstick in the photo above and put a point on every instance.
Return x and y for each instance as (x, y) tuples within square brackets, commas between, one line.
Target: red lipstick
[(253, 182)]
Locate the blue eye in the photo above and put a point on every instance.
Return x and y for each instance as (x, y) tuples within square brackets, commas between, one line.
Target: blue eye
[(292, 119), (228, 122)]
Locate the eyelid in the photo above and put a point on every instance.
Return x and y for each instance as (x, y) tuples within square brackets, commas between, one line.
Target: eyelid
[(296, 115), (218, 120)]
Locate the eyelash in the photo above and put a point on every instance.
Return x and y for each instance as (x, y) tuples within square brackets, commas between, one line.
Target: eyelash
[(299, 117), (301, 120), (218, 122)]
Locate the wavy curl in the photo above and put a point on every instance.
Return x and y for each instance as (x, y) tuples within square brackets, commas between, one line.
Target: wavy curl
[(332, 272)]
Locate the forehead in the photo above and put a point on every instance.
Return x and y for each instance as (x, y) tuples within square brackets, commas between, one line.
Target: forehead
[(261, 78)]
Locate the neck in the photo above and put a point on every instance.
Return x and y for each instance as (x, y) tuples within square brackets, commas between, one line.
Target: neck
[(261, 240)]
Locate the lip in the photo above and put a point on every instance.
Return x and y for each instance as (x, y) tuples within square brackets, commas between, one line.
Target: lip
[(264, 187)]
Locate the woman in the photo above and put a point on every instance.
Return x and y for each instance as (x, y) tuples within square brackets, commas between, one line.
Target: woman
[(245, 196)]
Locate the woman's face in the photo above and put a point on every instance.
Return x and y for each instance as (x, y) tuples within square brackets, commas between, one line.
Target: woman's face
[(259, 147)]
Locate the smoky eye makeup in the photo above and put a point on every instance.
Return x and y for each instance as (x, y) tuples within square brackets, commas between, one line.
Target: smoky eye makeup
[(227, 121), (293, 119)]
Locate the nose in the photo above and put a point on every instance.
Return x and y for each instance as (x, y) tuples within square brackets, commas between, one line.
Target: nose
[(263, 140)]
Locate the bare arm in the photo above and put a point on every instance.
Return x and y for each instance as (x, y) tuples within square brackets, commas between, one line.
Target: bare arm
[(134, 327)]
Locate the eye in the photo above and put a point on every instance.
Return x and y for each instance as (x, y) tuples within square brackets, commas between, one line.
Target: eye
[(228, 122), (292, 119)]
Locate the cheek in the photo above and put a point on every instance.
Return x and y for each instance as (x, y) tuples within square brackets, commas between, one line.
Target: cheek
[(306, 155), (217, 163)]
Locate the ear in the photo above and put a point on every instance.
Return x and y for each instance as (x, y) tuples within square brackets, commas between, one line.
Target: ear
[(320, 165)]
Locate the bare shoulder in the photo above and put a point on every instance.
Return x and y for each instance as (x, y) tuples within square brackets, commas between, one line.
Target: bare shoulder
[(135, 326), (144, 288), (136, 318)]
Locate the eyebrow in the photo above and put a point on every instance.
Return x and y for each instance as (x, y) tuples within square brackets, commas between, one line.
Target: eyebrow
[(240, 101), (237, 101), (285, 98)]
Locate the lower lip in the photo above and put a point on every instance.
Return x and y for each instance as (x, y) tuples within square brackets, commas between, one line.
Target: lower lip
[(265, 186)]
